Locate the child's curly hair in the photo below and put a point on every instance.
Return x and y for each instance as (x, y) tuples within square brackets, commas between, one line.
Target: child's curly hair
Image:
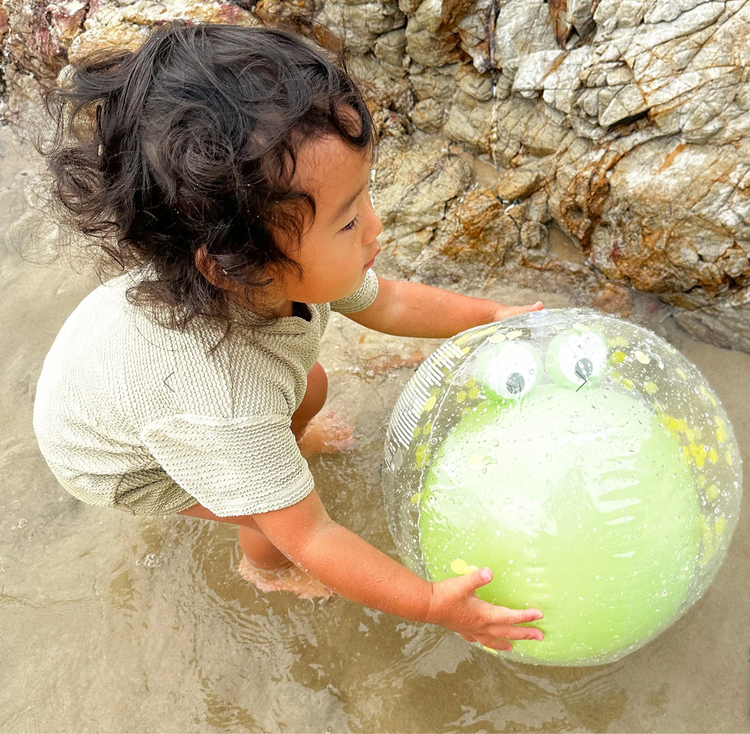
[(191, 141)]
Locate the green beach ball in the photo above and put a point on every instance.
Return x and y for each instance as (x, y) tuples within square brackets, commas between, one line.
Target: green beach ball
[(579, 456)]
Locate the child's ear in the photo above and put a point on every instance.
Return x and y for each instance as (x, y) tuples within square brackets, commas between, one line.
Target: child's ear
[(217, 276), (210, 269)]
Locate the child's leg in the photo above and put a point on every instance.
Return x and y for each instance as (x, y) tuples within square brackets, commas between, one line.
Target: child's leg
[(262, 554), (263, 564), (329, 432), (315, 398), (253, 542)]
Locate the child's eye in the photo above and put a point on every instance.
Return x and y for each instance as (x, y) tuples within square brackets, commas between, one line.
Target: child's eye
[(352, 224)]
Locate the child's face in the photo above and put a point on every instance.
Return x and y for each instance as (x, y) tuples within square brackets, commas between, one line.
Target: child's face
[(341, 244)]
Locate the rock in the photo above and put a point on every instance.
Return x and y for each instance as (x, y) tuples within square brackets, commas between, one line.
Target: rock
[(359, 25), (476, 230), (284, 8), (474, 84), (3, 23), (622, 124), (439, 84), (710, 217), (412, 184), (572, 20), (32, 40), (428, 115), (522, 27), (431, 48), (125, 26), (476, 31), (422, 176), (435, 14), (67, 18), (380, 88), (518, 183), (723, 324), (470, 122), (391, 47), (614, 299)]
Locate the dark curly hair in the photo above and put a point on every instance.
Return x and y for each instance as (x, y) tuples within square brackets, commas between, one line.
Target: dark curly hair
[(192, 141)]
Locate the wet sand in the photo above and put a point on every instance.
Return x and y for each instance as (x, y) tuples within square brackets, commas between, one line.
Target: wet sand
[(122, 624)]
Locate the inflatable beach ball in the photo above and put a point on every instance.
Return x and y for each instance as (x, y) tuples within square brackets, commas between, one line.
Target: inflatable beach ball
[(583, 459)]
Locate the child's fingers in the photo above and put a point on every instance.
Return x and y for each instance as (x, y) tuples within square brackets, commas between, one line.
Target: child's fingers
[(518, 616), (466, 585), (538, 306), (477, 579), (504, 312), (496, 643), (519, 633), (499, 638)]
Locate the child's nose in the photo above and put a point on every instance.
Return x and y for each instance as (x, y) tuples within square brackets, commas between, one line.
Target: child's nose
[(375, 227)]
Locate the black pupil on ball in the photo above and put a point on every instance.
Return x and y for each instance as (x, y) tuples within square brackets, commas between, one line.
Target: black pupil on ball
[(584, 368), (515, 383)]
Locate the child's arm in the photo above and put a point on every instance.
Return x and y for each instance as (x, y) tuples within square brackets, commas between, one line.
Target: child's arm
[(414, 309), (358, 571)]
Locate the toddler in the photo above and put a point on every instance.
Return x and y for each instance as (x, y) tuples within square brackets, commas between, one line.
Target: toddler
[(225, 170)]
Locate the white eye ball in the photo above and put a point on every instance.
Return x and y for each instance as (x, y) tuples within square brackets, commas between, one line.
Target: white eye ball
[(511, 371), (575, 359)]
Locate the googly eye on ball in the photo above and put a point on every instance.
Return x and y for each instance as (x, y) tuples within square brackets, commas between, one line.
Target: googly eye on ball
[(510, 370), (583, 459), (575, 358)]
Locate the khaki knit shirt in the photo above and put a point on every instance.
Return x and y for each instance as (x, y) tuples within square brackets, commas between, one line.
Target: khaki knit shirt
[(133, 415)]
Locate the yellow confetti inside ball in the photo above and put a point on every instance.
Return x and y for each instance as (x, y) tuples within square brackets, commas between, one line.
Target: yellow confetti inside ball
[(583, 459)]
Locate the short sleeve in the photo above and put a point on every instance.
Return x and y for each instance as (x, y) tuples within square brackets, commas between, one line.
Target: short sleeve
[(232, 466), (363, 297)]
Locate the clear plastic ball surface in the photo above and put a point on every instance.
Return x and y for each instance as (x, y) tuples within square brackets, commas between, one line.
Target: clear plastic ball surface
[(583, 459)]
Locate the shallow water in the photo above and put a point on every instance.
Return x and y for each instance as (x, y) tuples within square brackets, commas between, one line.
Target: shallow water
[(115, 623)]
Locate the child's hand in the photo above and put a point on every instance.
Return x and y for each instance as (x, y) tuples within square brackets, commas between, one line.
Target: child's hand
[(503, 312), (455, 606)]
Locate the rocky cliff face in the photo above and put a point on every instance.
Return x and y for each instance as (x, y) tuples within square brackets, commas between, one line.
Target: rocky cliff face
[(597, 145)]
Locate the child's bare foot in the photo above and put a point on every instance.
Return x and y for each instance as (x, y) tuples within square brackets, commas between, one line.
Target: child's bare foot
[(288, 578), (325, 434)]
